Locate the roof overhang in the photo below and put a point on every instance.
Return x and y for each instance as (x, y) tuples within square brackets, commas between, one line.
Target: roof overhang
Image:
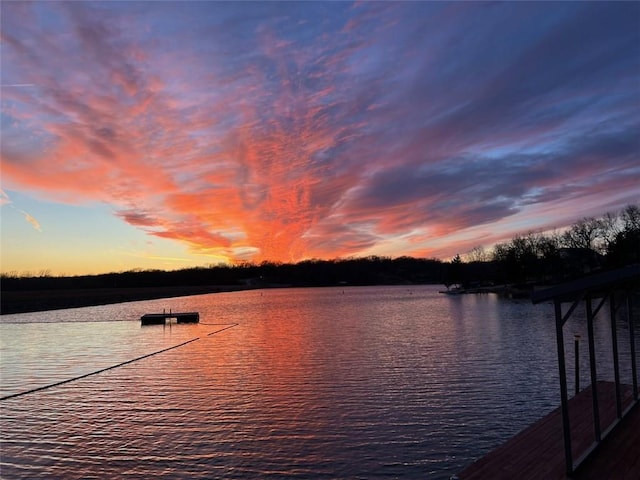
[(594, 286)]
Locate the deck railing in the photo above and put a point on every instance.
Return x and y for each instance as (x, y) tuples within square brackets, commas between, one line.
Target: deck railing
[(618, 287)]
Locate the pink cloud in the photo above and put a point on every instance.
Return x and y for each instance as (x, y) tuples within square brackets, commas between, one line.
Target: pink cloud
[(262, 139)]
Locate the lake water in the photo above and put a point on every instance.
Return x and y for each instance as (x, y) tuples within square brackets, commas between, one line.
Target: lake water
[(371, 382)]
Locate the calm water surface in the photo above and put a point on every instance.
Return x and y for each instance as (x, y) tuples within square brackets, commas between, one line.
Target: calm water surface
[(372, 382)]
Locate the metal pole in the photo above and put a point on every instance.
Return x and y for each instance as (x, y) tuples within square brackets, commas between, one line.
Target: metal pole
[(576, 348), (614, 344), (594, 374), (632, 342), (562, 368)]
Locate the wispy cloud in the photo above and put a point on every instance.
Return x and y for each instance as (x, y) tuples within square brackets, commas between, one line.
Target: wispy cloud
[(4, 198), (29, 218), (323, 130)]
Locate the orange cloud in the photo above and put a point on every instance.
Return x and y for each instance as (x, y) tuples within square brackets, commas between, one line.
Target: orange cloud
[(269, 140)]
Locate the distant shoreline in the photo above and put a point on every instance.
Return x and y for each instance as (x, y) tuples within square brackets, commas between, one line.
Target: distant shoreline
[(42, 300)]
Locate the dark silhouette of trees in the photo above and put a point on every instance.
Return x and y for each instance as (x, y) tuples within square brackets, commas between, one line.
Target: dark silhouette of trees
[(590, 244), (454, 272), (353, 271), (624, 248), (477, 254), (586, 233)]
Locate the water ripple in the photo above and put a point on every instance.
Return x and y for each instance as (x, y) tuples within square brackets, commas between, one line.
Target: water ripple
[(312, 383)]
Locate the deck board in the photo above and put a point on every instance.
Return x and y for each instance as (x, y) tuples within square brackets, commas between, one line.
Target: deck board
[(537, 452), (619, 454)]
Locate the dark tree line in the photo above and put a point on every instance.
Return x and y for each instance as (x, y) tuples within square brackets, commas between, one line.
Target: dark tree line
[(588, 245), (356, 271)]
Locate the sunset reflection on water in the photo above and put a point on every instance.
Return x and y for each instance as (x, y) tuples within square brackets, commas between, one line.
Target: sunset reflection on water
[(311, 383)]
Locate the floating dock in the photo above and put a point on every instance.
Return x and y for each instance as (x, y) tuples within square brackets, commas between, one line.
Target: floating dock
[(161, 318)]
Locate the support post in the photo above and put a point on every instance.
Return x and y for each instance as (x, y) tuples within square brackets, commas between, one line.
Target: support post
[(594, 374), (562, 368), (632, 342), (576, 350), (614, 344)]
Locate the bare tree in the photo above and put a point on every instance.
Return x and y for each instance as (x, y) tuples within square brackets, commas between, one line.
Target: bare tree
[(500, 252), (610, 227), (477, 254), (631, 217), (549, 244), (583, 234)]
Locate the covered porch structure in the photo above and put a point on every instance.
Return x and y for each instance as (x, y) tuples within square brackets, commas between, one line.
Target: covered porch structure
[(616, 289)]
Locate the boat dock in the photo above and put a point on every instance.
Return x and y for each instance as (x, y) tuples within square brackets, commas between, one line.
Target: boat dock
[(161, 318), (596, 433), (537, 452)]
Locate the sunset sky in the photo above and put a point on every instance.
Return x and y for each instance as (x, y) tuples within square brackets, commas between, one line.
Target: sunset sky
[(176, 134)]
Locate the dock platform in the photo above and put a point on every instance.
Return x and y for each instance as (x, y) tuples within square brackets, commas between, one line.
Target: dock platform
[(161, 318), (537, 453)]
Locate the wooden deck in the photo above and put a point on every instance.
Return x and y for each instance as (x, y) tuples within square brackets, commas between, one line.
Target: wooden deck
[(537, 452)]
